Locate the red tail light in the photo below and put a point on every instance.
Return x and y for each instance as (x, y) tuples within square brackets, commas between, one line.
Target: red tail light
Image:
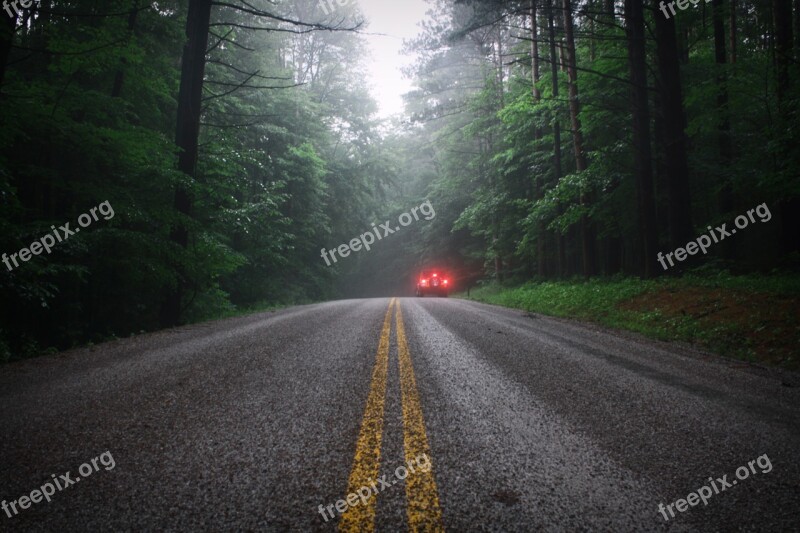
[(445, 282)]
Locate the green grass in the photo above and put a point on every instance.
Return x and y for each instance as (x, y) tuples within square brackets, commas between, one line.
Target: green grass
[(254, 310), (595, 300), (749, 331)]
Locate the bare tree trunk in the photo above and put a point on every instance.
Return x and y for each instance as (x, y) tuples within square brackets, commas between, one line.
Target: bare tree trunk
[(497, 47), (587, 231), (733, 34), (789, 207), (535, 67), (724, 125), (186, 136), (643, 159), (674, 131), (557, 165), (782, 14), (797, 29), (119, 79), (7, 27), (538, 134)]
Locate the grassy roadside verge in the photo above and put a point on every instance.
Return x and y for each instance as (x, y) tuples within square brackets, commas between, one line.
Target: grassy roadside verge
[(753, 318)]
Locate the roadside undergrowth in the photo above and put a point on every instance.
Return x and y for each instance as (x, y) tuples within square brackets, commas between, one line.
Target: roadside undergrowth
[(751, 318)]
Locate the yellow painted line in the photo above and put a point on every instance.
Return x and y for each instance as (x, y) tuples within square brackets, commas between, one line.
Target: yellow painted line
[(424, 511), (366, 465)]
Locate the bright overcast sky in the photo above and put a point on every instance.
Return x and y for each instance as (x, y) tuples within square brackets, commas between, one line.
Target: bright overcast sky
[(398, 20)]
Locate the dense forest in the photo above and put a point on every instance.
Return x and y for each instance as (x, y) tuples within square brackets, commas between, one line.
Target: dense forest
[(582, 138), (224, 143)]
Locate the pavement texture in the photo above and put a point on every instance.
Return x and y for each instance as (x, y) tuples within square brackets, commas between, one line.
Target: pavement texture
[(525, 423)]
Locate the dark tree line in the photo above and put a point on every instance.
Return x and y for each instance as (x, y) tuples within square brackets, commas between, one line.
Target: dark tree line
[(227, 165), (672, 124), (554, 138)]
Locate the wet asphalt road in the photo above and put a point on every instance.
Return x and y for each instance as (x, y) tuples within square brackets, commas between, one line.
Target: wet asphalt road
[(530, 424)]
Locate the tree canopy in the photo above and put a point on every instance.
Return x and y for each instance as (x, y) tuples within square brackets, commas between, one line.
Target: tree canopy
[(235, 139)]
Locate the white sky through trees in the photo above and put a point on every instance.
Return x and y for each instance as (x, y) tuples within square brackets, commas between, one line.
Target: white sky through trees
[(397, 19)]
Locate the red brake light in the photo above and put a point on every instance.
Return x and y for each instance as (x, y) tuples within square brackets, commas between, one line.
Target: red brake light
[(435, 275), (445, 282)]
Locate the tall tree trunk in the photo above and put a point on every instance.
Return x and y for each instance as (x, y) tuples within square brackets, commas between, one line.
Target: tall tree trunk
[(782, 13), (557, 165), (7, 28), (119, 78), (186, 137), (789, 207), (587, 231), (538, 134), (724, 124), (797, 29), (733, 33), (535, 61), (674, 128), (643, 159), (609, 9), (497, 46)]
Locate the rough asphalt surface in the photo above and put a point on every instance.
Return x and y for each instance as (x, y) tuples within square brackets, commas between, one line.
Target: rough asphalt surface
[(533, 424)]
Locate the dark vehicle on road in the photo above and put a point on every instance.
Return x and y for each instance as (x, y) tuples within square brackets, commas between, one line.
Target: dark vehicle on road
[(433, 282)]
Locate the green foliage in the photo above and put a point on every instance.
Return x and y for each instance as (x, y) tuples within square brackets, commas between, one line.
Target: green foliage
[(282, 170), (494, 142), (292, 160), (658, 309)]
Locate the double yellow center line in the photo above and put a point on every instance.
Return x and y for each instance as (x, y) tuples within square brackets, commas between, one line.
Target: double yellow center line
[(424, 511)]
